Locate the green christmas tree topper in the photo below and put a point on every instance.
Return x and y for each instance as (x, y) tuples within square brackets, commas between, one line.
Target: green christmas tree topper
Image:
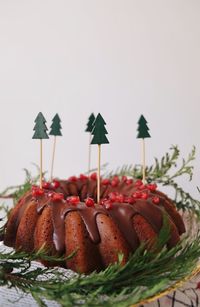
[(90, 123), (99, 131), (40, 127), (56, 126), (143, 129)]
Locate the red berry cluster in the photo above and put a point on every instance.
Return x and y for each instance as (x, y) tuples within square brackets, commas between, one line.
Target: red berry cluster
[(37, 191), (48, 185), (106, 203), (56, 196), (89, 202), (73, 200)]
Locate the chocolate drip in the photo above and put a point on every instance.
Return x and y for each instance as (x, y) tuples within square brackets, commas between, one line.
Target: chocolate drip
[(121, 213), (59, 226), (89, 217)]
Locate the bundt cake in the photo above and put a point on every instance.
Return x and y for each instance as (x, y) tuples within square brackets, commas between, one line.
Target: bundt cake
[(64, 218)]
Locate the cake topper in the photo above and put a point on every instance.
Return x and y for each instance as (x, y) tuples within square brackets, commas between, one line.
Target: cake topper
[(40, 129), (90, 126), (55, 131), (99, 137), (143, 133)]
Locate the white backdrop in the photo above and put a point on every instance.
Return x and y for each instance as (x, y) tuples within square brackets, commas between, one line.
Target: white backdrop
[(120, 58)]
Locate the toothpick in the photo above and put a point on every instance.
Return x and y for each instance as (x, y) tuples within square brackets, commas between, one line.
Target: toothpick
[(143, 162), (53, 158), (41, 164), (89, 154), (98, 174)]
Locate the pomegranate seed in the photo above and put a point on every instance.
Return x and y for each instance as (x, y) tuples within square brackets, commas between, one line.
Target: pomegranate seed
[(37, 192), (124, 178), (73, 178), (83, 177), (144, 195), (138, 183), (89, 202), (112, 196), (129, 181), (120, 198), (102, 201), (108, 205), (142, 187), (57, 196), (152, 187), (137, 195), (93, 176), (56, 184), (129, 200), (156, 200), (115, 181), (34, 187), (50, 194), (46, 185), (105, 182), (74, 200)]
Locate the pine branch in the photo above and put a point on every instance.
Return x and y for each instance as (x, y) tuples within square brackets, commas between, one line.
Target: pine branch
[(144, 275), (165, 172)]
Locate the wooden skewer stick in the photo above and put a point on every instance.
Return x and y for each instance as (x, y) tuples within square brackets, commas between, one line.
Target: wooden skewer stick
[(98, 174), (143, 162), (41, 166), (89, 154), (53, 158)]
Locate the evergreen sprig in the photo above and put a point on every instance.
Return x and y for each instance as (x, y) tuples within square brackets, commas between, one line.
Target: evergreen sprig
[(165, 172), (17, 191), (144, 275)]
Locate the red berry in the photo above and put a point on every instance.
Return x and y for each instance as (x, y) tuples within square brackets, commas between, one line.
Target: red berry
[(124, 178), (50, 194), (57, 196), (120, 198), (73, 178), (56, 184), (138, 183), (74, 200), (34, 187), (37, 192), (93, 176), (142, 187), (102, 201), (112, 196), (155, 200), (129, 200), (137, 195), (105, 182), (152, 187), (46, 185), (83, 177), (108, 204), (144, 195), (129, 181), (115, 181), (89, 202)]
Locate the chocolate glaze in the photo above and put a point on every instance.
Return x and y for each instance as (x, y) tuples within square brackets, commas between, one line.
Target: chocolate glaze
[(121, 213)]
